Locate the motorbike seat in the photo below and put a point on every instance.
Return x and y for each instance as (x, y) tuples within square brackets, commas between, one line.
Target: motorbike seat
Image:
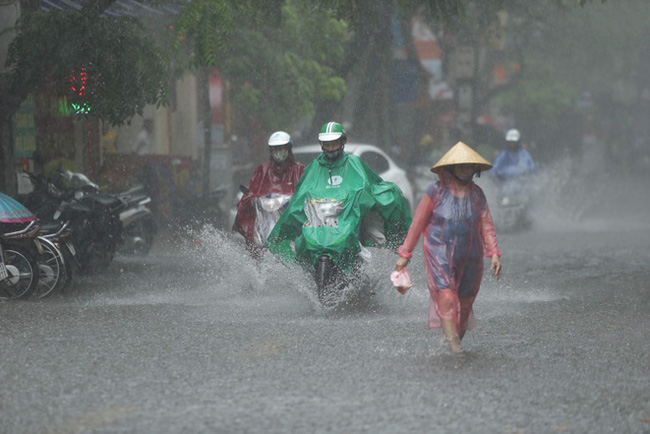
[(135, 199), (107, 200), (50, 227)]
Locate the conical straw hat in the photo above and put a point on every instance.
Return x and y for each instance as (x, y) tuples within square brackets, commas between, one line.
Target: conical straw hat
[(460, 153)]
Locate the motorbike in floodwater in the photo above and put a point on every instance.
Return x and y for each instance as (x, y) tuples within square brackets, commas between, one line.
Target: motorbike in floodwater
[(268, 209), (511, 212), (338, 209), (335, 285)]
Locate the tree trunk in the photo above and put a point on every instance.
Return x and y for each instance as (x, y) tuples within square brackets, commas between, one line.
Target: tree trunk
[(9, 104), (8, 179), (367, 106), (370, 105), (203, 97)]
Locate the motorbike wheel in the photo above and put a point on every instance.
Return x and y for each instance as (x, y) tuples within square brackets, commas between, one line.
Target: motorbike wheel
[(141, 233), (52, 273), (71, 265), (23, 274), (329, 281)]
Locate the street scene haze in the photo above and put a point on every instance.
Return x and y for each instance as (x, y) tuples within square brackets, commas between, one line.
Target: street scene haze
[(307, 216)]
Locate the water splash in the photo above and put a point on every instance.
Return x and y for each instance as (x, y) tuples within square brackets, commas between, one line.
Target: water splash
[(225, 261)]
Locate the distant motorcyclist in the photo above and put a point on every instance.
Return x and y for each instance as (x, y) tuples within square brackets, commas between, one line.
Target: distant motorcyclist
[(326, 214), (512, 166), (278, 175)]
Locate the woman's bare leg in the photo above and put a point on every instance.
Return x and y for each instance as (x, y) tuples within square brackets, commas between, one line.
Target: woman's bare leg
[(465, 311), (449, 328)]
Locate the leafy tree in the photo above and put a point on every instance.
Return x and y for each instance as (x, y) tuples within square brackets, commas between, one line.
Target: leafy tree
[(368, 57), (281, 71), (603, 51), (201, 33), (537, 99), (278, 56), (276, 53), (108, 67), (368, 51)]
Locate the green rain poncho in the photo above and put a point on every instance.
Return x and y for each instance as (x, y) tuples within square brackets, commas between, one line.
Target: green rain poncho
[(327, 209)]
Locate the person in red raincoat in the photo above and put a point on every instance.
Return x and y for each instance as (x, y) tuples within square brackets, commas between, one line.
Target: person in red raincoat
[(458, 231), (278, 175)]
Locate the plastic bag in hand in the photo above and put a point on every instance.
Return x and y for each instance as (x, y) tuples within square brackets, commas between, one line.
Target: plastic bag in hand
[(401, 280)]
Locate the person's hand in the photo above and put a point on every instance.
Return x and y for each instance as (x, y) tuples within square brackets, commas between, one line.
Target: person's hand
[(496, 266), (401, 263)]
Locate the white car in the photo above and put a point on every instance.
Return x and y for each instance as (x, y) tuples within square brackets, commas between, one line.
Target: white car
[(373, 156)]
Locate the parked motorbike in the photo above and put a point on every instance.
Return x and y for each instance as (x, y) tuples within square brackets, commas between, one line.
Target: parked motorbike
[(139, 225), (93, 217), (19, 250), (51, 271), (58, 262)]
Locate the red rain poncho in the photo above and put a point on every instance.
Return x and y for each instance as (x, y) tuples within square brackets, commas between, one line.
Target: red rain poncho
[(458, 231), (269, 177)]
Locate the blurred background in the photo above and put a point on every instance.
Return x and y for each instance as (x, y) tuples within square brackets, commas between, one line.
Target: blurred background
[(185, 94)]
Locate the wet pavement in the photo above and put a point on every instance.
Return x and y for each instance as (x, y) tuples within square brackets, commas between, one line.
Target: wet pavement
[(198, 338)]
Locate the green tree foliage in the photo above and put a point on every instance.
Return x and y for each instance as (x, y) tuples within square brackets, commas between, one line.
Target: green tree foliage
[(107, 67), (202, 31), (596, 47), (279, 71), (538, 95)]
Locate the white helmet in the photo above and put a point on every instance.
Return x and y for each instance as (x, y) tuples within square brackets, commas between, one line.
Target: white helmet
[(280, 138), (513, 135)]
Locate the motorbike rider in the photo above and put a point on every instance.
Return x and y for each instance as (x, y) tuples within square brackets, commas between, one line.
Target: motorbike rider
[(512, 166), (326, 213), (278, 175)]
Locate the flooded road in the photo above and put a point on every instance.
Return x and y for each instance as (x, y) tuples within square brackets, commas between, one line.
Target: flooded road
[(198, 338)]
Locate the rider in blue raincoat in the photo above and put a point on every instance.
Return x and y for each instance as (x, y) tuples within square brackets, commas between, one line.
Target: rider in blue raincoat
[(513, 166)]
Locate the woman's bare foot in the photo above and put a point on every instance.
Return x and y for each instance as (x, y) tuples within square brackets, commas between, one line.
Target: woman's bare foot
[(454, 344)]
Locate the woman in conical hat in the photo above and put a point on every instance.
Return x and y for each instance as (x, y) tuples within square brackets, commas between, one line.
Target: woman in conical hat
[(457, 228)]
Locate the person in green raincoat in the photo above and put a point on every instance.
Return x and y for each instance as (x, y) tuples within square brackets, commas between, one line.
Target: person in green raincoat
[(333, 203)]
